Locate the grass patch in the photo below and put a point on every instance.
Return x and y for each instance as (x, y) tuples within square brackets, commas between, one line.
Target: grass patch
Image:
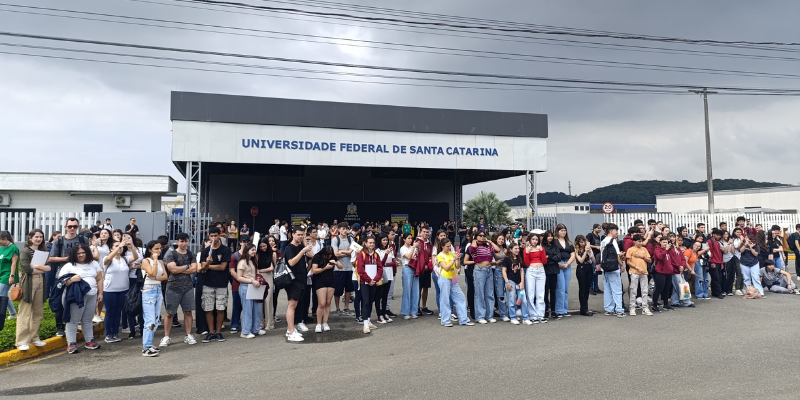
[(8, 335)]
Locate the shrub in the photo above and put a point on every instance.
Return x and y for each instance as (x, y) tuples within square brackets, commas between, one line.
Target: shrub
[(9, 333)]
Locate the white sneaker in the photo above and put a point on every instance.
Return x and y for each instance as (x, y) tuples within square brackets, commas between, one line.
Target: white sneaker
[(12, 317), (366, 329), (648, 312), (633, 312), (23, 347), (302, 327), (248, 336), (514, 322), (96, 319), (492, 320), (372, 326), (406, 317), (381, 320), (387, 319), (325, 327), (506, 319), (262, 332), (189, 339), (295, 337), (527, 322), (318, 328), (165, 342), (739, 293), (414, 316), (482, 321), (39, 343)]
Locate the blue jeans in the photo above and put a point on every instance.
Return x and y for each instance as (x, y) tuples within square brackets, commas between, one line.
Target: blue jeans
[(284, 243), (115, 303), (700, 280), (511, 295), (500, 290), (237, 311), (4, 288), (484, 293), (251, 311), (534, 288), (562, 290), (451, 292), (612, 292), (676, 280), (752, 277), (151, 305), (778, 262), (410, 305), (435, 279)]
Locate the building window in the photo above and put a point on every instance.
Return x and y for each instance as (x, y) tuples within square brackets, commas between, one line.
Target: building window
[(576, 208), (92, 208)]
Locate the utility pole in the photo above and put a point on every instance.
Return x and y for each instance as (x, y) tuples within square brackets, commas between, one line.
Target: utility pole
[(709, 175), (569, 188)]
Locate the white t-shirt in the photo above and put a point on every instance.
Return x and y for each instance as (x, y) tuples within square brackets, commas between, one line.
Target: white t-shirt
[(115, 278), (103, 251), (403, 251), (153, 281), (283, 234), (87, 272), (736, 243), (137, 263)]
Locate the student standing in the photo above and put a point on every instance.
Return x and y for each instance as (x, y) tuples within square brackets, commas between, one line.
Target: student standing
[(749, 263), (60, 253), (180, 292), (410, 302), (451, 293), (584, 272), (266, 258), (31, 307), (9, 255), (535, 258), (116, 284), (726, 245), (594, 238), (716, 266), (385, 251), (480, 255), (233, 236), (611, 258), (343, 276), (637, 259), (566, 253), (215, 276), (662, 274), (85, 270), (499, 281), (246, 276), (423, 264), (737, 280), (154, 273), (514, 278), (295, 256), (551, 270), (368, 260), (323, 268)]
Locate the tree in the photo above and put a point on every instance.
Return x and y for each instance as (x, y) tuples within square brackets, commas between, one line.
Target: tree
[(486, 205)]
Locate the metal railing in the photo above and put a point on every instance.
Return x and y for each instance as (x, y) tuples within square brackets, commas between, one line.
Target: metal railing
[(20, 223), (690, 221)]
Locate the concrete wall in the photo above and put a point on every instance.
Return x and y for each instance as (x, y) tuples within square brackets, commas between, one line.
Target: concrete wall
[(62, 201), (579, 224)]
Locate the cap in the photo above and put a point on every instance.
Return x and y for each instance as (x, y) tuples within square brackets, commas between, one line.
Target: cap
[(356, 226), (244, 238)]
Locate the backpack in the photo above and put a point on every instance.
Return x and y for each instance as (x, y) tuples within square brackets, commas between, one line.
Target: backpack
[(608, 258), (60, 243), (792, 238), (283, 276)]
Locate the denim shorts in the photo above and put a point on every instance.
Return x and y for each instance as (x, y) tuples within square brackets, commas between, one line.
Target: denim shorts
[(214, 298), (175, 299)]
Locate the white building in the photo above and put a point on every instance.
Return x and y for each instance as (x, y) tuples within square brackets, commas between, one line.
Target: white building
[(784, 199), (42, 192)]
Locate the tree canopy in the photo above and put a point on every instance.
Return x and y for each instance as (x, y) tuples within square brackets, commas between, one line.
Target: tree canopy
[(488, 206)]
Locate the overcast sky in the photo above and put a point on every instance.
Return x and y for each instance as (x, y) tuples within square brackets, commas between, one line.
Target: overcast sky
[(74, 116)]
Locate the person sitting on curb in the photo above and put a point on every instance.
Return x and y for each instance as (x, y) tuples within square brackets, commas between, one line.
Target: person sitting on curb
[(777, 280)]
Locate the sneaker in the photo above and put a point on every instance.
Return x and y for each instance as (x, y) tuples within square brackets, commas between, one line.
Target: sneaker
[(543, 320), (262, 332), (116, 338), (453, 317), (109, 339), (276, 319), (96, 319), (656, 309), (23, 347), (669, 308), (165, 342), (448, 325), (209, 338), (567, 315), (506, 319), (325, 328), (359, 320), (348, 312), (415, 316), (219, 337), (492, 320), (72, 348), (482, 321), (302, 327), (621, 315), (559, 316), (60, 333), (797, 291), (426, 311), (151, 352), (339, 313), (295, 337), (92, 345), (738, 293), (248, 336), (535, 321), (381, 320), (599, 291), (234, 329), (39, 343), (527, 322), (189, 339), (318, 328), (391, 314), (514, 322), (132, 335), (609, 313), (366, 329), (176, 323), (12, 317), (647, 312), (406, 317), (372, 326), (387, 319), (633, 312)]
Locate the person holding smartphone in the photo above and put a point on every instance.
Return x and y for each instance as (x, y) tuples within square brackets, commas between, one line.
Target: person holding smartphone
[(749, 263), (323, 267), (116, 284)]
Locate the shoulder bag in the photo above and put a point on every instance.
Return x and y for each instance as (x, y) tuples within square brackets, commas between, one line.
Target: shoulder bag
[(283, 276)]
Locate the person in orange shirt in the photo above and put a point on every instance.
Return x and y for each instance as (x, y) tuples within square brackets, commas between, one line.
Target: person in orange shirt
[(637, 258)]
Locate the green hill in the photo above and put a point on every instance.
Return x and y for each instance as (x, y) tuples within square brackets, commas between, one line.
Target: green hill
[(640, 192)]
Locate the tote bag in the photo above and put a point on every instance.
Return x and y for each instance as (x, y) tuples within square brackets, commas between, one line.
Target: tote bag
[(683, 290), (283, 275)]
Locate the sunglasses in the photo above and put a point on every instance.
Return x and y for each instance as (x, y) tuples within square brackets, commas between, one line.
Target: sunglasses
[(72, 226)]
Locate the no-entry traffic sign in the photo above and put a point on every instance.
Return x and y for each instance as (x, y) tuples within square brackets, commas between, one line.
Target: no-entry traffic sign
[(608, 208), (254, 211)]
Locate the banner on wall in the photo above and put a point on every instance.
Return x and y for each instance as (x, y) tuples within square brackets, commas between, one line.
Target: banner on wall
[(297, 219), (399, 218)]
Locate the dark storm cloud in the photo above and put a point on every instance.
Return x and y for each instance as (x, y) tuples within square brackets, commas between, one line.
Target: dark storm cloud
[(124, 110)]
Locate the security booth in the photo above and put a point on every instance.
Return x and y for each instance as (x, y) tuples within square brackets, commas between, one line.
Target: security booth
[(256, 159)]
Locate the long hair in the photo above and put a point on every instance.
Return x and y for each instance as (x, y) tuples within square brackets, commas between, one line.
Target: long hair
[(54, 236), (246, 254), (436, 241), (326, 253), (442, 243), (268, 253), (29, 241), (148, 249), (761, 240), (580, 244), (544, 237), (72, 258), (531, 236), (379, 241), (566, 233), (515, 259)]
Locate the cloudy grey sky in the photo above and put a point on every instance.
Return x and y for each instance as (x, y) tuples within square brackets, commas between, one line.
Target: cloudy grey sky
[(75, 116)]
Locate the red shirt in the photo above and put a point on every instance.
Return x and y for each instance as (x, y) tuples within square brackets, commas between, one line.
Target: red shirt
[(362, 260), (534, 257), (663, 261), (678, 260), (714, 251)]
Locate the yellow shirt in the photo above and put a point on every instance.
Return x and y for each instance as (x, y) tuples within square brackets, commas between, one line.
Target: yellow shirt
[(447, 259)]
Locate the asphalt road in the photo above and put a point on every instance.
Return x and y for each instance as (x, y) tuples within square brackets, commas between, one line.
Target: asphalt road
[(732, 348)]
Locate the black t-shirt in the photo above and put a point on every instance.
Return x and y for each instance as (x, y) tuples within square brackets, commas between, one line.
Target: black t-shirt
[(299, 269), (792, 238), (94, 229), (327, 275), (132, 231), (594, 240), (216, 279), (515, 277), (564, 252)]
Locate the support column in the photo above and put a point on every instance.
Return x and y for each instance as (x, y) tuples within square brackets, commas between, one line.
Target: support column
[(194, 207), (533, 204), (458, 207)]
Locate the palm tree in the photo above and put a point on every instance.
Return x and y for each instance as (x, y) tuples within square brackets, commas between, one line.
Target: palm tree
[(488, 206)]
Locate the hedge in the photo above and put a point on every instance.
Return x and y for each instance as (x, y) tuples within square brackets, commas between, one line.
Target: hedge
[(9, 332)]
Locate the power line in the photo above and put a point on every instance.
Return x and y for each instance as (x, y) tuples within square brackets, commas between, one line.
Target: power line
[(399, 69), (492, 28), (493, 36), (408, 47)]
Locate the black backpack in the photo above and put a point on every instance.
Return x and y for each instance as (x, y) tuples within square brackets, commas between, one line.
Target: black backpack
[(609, 261)]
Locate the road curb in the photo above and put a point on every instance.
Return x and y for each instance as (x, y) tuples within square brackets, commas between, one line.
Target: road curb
[(54, 343)]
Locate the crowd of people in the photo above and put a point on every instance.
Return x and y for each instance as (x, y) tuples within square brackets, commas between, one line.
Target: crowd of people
[(511, 274)]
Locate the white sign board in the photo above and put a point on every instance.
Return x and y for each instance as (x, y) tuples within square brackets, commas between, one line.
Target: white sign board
[(272, 144)]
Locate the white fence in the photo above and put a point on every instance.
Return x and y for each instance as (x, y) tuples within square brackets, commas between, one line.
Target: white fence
[(690, 221), (198, 228), (543, 221), (19, 224)]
